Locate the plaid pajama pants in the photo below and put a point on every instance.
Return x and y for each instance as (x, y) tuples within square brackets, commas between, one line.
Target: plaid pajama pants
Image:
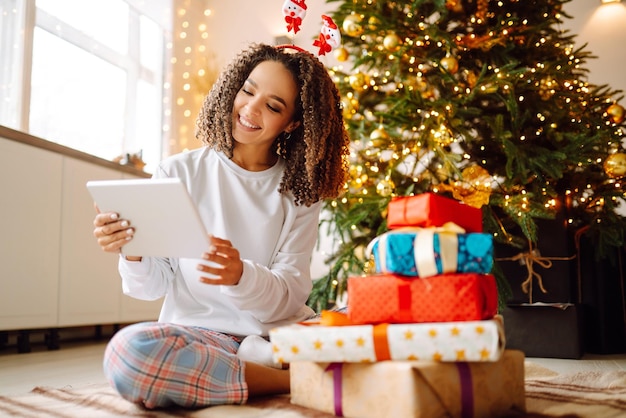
[(159, 365)]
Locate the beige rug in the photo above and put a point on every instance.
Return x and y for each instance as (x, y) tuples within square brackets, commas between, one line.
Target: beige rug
[(590, 394), (584, 395)]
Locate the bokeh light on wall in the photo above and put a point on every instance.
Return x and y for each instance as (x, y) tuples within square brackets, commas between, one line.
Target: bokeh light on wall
[(192, 70)]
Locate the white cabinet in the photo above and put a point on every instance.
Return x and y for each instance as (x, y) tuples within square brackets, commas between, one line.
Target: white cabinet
[(30, 188), (53, 273), (89, 285)]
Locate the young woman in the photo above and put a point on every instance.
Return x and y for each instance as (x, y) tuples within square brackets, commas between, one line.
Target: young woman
[(275, 147)]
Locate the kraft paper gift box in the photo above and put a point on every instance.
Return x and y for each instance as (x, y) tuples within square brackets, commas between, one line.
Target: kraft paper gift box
[(419, 389), (446, 341), (431, 209), (427, 252), (389, 298)]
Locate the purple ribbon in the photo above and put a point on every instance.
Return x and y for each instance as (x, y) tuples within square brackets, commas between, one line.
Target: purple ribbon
[(337, 384), (467, 390)]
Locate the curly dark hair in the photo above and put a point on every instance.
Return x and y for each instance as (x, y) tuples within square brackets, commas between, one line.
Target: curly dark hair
[(316, 152)]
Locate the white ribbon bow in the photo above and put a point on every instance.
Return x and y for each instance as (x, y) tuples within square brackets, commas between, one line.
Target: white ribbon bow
[(424, 248)]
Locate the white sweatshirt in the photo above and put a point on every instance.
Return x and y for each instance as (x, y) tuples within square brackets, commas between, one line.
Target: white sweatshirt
[(275, 239)]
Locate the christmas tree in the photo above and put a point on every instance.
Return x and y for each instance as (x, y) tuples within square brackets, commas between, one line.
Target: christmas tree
[(483, 101)]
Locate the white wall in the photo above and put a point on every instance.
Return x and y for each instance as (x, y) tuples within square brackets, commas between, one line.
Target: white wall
[(603, 28), (236, 23)]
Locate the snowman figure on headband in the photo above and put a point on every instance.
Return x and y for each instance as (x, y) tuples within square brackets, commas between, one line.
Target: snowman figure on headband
[(329, 37), (294, 11)]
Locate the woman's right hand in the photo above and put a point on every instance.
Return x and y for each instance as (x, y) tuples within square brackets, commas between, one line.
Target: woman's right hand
[(111, 232)]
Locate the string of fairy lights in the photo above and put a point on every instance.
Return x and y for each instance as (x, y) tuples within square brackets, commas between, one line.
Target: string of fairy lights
[(193, 70)]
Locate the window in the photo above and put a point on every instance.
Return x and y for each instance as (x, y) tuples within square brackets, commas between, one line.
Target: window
[(87, 74)]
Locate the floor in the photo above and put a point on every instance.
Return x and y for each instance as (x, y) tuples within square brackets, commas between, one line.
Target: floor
[(74, 364), (80, 363)]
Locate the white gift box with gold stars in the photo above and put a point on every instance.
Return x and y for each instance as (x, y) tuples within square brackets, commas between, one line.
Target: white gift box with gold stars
[(468, 341)]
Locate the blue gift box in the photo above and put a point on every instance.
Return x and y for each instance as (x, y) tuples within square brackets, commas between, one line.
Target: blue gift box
[(425, 253)]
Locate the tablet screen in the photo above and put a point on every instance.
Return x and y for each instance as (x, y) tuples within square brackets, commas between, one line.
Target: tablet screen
[(166, 220)]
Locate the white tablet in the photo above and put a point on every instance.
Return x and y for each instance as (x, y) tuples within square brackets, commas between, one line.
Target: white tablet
[(166, 220)]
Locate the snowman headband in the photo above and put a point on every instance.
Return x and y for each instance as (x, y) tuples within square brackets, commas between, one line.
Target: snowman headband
[(329, 37)]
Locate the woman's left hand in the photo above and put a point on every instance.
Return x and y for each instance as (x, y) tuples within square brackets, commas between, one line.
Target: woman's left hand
[(229, 266)]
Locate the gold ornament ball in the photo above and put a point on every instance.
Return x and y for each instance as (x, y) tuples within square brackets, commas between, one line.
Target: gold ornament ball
[(616, 113), (384, 188), (352, 25), (379, 137), (358, 81), (391, 42), (373, 23), (615, 165), (349, 107), (379, 134), (341, 54), (450, 64), (471, 78)]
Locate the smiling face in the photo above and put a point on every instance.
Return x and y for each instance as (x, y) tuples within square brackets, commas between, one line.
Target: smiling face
[(265, 105)]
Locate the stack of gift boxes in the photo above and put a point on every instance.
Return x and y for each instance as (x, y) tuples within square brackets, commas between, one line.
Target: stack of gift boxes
[(420, 336)]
